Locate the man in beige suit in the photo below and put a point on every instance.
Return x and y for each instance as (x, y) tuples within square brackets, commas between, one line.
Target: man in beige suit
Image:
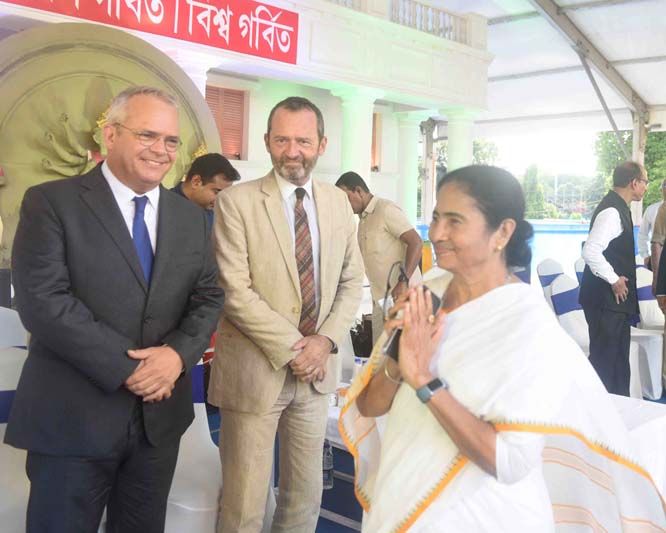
[(291, 268)]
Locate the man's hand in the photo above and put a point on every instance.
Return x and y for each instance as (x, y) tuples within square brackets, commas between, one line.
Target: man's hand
[(620, 289), (400, 289), (156, 375), (648, 262), (310, 364)]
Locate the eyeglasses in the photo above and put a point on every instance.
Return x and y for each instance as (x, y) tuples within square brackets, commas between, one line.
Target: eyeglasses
[(149, 138), (395, 267), (641, 180)]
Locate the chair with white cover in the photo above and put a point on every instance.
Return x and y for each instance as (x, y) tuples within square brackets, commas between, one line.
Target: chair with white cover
[(564, 295), (14, 485), (195, 491), (12, 332), (524, 274), (194, 496), (579, 267), (651, 316), (547, 271)]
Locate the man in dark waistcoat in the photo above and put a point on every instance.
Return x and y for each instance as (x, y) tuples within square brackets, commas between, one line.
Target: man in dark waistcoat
[(608, 288)]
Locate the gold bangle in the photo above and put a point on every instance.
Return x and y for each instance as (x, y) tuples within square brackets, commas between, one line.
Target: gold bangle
[(390, 377)]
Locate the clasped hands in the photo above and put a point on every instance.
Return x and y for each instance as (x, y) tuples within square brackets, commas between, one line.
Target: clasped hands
[(155, 376), (310, 364), (420, 337)]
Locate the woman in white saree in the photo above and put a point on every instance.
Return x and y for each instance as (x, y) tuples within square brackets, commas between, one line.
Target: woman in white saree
[(495, 419)]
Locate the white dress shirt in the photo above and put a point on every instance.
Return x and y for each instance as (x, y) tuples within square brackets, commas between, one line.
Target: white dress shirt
[(288, 192), (125, 199), (607, 226), (647, 225)]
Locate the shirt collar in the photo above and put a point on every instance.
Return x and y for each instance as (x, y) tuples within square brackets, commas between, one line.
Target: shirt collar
[(287, 189), (123, 193), (370, 208)]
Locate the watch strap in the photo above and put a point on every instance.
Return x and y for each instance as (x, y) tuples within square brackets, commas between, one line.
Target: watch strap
[(428, 390)]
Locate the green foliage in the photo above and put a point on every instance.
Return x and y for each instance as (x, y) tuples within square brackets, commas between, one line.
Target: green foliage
[(484, 152), (609, 155), (535, 201)]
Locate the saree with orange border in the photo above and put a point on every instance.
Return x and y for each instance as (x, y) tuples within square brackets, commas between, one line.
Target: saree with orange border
[(508, 361)]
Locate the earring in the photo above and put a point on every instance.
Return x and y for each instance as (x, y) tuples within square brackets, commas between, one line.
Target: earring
[(499, 247)]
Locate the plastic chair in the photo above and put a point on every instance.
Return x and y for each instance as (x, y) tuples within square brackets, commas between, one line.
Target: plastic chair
[(14, 485), (651, 316), (547, 271), (569, 312), (579, 267)]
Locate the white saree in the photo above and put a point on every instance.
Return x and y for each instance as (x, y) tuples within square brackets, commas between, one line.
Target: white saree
[(508, 361)]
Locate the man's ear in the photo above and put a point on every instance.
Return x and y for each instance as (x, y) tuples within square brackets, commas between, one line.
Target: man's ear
[(196, 181)]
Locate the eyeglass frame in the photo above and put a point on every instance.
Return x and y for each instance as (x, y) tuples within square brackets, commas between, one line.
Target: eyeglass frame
[(403, 274), (147, 142)]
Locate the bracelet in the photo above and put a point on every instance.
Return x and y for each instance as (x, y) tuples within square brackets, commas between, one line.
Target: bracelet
[(390, 377)]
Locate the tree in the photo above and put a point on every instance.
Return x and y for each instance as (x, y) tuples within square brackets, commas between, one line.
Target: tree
[(484, 152), (609, 155), (535, 203)]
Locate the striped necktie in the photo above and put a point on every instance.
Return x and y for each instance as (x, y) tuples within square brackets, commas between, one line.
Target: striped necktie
[(308, 323)]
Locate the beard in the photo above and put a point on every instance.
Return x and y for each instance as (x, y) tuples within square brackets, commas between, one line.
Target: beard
[(294, 170)]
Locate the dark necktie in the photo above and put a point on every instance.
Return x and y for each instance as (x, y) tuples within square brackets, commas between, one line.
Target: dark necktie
[(308, 323), (141, 238)]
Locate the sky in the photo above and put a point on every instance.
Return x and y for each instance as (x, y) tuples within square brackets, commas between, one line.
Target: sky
[(554, 152)]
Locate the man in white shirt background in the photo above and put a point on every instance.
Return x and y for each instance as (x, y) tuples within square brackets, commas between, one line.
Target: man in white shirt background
[(608, 287), (647, 226)]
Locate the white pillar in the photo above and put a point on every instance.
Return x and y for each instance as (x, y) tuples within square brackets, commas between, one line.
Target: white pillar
[(460, 139), (409, 135), (638, 156), (357, 108), (195, 65)]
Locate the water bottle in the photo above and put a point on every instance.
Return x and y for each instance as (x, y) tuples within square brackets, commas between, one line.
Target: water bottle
[(328, 465)]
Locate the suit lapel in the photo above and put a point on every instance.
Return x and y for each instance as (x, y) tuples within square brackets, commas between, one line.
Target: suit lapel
[(98, 196), (167, 225), (325, 222), (278, 220)]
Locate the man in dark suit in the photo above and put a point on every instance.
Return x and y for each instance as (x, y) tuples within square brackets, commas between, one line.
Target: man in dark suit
[(115, 280)]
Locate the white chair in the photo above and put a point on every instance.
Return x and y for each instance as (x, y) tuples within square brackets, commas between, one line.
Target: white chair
[(564, 295), (524, 274), (195, 491), (14, 485), (194, 496), (547, 271), (651, 316), (12, 332), (579, 267)]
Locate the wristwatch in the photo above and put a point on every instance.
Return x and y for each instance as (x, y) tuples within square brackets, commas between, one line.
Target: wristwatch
[(428, 390), (402, 278)]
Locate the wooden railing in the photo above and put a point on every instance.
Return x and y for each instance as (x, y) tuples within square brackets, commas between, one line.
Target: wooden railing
[(430, 20)]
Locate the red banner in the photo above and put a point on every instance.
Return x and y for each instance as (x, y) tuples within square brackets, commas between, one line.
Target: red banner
[(237, 25)]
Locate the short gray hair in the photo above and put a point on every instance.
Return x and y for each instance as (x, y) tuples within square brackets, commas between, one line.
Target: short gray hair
[(118, 107)]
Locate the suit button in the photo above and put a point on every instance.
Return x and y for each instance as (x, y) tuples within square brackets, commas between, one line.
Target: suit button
[(294, 310), (148, 320)]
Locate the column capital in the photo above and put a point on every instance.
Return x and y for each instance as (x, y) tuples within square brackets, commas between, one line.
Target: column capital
[(414, 118), (460, 114), (195, 64), (351, 94)]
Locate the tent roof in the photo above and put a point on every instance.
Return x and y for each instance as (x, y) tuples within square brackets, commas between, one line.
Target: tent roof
[(536, 73)]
